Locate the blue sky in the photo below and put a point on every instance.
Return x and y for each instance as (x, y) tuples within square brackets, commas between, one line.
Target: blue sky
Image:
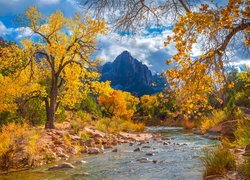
[(147, 48)]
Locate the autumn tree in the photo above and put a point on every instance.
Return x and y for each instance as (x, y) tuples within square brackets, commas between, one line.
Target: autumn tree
[(195, 79), (116, 103), (56, 59)]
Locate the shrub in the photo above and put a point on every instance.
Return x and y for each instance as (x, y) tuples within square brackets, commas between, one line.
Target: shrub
[(34, 112), (114, 125), (84, 136), (218, 161), (246, 168), (16, 139), (215, 118), (242, 132)]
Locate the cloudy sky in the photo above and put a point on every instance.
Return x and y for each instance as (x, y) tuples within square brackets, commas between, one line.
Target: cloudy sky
[(147, 48)]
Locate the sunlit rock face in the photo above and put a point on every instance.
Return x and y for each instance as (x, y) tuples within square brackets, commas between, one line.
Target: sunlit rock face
[(128, 74)]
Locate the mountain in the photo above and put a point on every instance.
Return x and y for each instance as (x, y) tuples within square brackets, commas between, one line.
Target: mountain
[(128, 74)]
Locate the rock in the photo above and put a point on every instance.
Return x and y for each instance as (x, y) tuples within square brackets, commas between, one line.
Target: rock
[(73, 151), (131, 144), (137, 149), (228, 129), (165, 143), (93, 150), (94, 132), (146, 147), (150, 154), (115, 150), (74, 137), (80, 175), (165, 138), (155, 161), (143, 160), (80, 162), (131, 75), (247, 147), (197, 131), (62, 166), (107, 146)]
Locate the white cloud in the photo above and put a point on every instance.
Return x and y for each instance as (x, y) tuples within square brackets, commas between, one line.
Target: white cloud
[(147, 49), (4, 30)]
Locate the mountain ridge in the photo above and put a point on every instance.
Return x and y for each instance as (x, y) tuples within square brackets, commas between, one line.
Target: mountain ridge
[(129, 74)]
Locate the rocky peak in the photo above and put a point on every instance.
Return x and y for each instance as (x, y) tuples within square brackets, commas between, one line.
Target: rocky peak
[(128, 74)]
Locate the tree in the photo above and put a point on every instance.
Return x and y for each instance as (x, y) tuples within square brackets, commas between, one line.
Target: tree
[(195, 79), (57, 59), (133, 15), (117, 103)]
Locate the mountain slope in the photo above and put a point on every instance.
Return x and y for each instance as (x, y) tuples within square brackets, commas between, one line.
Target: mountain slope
[(128, 74)]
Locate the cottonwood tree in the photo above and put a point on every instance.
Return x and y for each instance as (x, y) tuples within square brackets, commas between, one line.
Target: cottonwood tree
[(57, 59), (215, 28), (133, 15)]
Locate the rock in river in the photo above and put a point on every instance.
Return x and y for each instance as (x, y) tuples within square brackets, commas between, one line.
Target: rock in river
[(62, 166)]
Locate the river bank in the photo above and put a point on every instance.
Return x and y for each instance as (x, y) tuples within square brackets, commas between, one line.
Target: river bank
[(175, 154)]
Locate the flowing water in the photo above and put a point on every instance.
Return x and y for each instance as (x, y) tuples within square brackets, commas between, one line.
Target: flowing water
[(174, 162)]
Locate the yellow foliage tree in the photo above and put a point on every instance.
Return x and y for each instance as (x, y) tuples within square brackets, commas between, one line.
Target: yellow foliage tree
[(58, 61), (195, 79), (117, 103)]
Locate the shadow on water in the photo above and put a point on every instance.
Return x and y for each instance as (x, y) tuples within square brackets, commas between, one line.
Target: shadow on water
[(177, 159)]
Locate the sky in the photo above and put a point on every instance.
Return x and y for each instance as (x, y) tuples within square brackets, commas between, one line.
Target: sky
[(149, 48)]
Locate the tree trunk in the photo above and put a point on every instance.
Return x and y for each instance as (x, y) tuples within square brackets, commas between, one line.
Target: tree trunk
[(51, 105)]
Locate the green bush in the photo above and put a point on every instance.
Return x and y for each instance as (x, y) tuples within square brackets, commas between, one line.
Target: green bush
[(90, 105), (218, 161), (34, 112)]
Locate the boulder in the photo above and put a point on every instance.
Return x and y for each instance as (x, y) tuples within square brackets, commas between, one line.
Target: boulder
[(80, 162), (150, 154), (143, 160), (94, 132), (93, 150), (62, 166), (115, 150), (228, 128), (146, 147), (137, 149)]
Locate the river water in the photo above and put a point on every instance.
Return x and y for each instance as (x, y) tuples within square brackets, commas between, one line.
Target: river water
[(174, 162)]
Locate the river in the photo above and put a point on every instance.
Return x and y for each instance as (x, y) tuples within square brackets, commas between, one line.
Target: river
[(180, 160)]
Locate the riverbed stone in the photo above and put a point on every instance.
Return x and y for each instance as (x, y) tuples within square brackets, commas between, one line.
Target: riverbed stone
[(150, 154), (93, 150), (61, 166), (137, 149)]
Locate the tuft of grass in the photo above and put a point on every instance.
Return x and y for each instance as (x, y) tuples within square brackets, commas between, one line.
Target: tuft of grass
[(214, 119), (16, 138), (115, 125), (218, 161), (242, 132), (246, 168)]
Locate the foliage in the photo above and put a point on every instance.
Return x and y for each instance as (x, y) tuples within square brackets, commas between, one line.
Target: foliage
[(213, 119), (115, 125), (242, 132), (90, 105), (116, 103), (56, 67), (246, 168), (33, 111), (218, 161), (16, 138), (196, 79)]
